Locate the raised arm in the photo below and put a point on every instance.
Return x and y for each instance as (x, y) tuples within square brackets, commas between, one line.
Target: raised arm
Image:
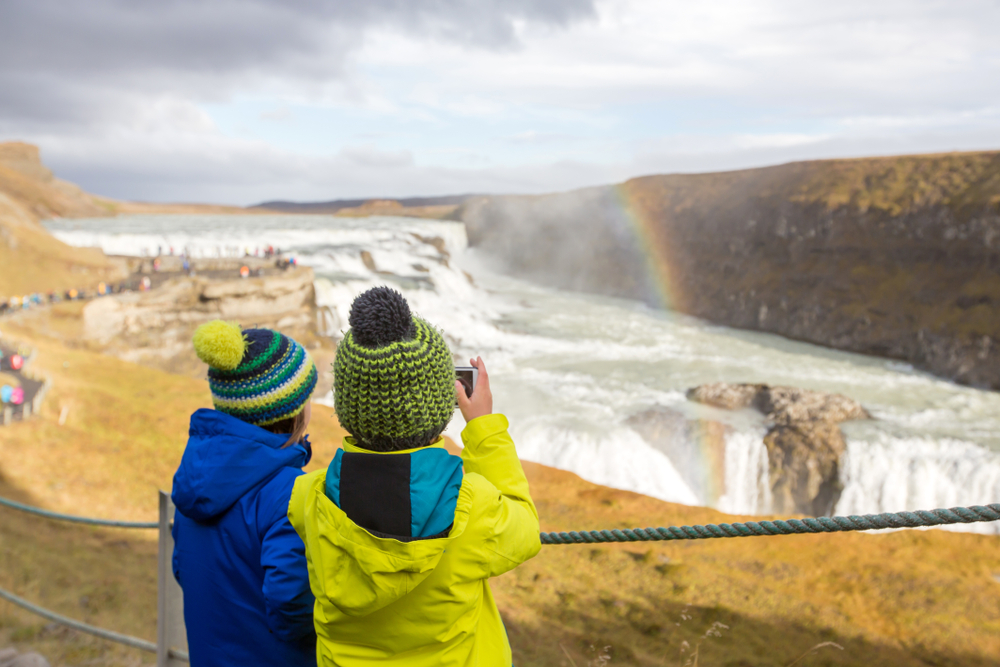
[(489, 452)]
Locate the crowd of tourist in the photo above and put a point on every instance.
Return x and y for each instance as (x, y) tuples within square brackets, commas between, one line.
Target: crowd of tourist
[(36, 299)]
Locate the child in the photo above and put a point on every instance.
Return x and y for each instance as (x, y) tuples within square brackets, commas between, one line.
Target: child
[(240, 563), (400, 543)]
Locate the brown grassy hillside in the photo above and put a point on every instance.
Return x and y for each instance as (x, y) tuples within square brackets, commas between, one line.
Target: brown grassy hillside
[(31, 260), (905, 598)]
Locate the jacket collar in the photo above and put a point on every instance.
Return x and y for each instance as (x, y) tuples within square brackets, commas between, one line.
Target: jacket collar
[(350, 445)]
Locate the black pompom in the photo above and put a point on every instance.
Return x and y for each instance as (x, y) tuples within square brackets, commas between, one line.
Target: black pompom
[(381, 316)]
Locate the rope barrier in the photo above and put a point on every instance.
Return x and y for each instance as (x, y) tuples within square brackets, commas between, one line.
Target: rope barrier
[(835, 524), (832, 524), (823, 524), (77, 519), (128, 640)]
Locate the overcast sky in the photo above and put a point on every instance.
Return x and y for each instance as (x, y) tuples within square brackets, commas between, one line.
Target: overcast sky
[(240, 102)]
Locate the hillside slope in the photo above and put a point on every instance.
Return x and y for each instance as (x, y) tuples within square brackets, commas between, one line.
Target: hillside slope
[(31, 260), (112, 433), (896, 256)]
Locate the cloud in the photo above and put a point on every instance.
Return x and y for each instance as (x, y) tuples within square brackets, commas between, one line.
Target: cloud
[(267, 99), (77, 60), (280, 114)]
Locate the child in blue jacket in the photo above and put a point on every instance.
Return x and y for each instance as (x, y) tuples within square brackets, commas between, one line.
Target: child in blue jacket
[(236, 556)]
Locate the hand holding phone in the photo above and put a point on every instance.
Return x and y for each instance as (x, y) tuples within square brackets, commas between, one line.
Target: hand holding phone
[(479, 401)]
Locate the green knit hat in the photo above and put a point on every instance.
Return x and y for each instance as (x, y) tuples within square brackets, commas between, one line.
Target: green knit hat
[(393, 377)]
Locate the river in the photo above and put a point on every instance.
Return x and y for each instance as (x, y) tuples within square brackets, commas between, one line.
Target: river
[(571, 370)]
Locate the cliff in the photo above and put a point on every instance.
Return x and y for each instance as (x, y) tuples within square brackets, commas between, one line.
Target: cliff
[(31, 260), (898, 257)]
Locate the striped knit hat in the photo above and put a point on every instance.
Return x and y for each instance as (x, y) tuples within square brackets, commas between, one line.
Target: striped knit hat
[(393, 377), (259, 376)]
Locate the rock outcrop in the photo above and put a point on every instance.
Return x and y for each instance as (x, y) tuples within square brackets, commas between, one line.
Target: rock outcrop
[(804, 442), (898, 257), (155, 327), (9, 657)]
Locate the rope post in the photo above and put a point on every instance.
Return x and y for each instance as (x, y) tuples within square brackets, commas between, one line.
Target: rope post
[(171, 636)]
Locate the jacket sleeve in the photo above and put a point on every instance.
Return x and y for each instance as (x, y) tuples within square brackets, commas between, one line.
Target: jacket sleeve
[(174, 560), (286, 591), (489, 451)]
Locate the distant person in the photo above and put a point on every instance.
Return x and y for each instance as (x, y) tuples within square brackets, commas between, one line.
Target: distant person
[(400, 542), (244, 271), (236, 556), (186, 265)]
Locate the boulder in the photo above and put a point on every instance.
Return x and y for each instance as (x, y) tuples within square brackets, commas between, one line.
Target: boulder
[(9, 657), (804, 442)]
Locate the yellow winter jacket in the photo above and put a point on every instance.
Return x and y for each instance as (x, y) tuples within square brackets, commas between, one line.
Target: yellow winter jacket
[(427, 601)]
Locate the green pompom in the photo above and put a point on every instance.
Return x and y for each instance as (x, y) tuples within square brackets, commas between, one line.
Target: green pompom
[(220, 344)]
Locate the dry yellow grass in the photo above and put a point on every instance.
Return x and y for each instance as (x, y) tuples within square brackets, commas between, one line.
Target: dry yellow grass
[(906, 598), (121, 441)]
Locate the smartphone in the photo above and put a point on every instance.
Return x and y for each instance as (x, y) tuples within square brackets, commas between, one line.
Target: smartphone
[(467, 375)]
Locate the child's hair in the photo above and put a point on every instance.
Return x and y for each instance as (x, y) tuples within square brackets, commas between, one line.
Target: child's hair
[(295, 426), (394, 378)]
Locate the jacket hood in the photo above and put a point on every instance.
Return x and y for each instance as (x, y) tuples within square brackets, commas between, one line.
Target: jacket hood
[(356, 571), (224, 459), (405, 495)]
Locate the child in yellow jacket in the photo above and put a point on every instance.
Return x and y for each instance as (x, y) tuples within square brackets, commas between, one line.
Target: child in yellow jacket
[(400, 542)]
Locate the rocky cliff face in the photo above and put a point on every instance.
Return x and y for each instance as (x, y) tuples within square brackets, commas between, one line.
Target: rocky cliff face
[(898, 257), (804, 442)]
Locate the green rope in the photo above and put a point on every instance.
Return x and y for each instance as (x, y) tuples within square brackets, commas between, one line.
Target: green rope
[(110, 635), (823, 524), (76, 519)]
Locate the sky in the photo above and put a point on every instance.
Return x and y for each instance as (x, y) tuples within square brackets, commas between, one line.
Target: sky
[(243, 102)]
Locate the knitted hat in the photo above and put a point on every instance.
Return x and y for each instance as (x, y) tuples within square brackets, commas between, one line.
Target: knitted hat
[(259, 376), (393, 377)]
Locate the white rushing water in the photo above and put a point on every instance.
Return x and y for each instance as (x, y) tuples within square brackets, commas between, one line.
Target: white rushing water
[(573, 371)]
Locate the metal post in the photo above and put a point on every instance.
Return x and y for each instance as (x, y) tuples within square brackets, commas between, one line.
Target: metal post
[(171, 635)]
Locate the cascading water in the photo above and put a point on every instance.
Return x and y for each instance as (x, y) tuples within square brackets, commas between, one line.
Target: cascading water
[(597, 385)]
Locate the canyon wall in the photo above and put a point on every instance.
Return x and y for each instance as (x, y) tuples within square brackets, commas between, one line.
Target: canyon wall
[(898, 257)]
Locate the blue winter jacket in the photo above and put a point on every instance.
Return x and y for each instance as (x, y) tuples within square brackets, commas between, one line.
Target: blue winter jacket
[(239, 561)]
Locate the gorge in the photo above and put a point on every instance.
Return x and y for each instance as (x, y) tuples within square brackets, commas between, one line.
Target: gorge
[(897, 257)]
